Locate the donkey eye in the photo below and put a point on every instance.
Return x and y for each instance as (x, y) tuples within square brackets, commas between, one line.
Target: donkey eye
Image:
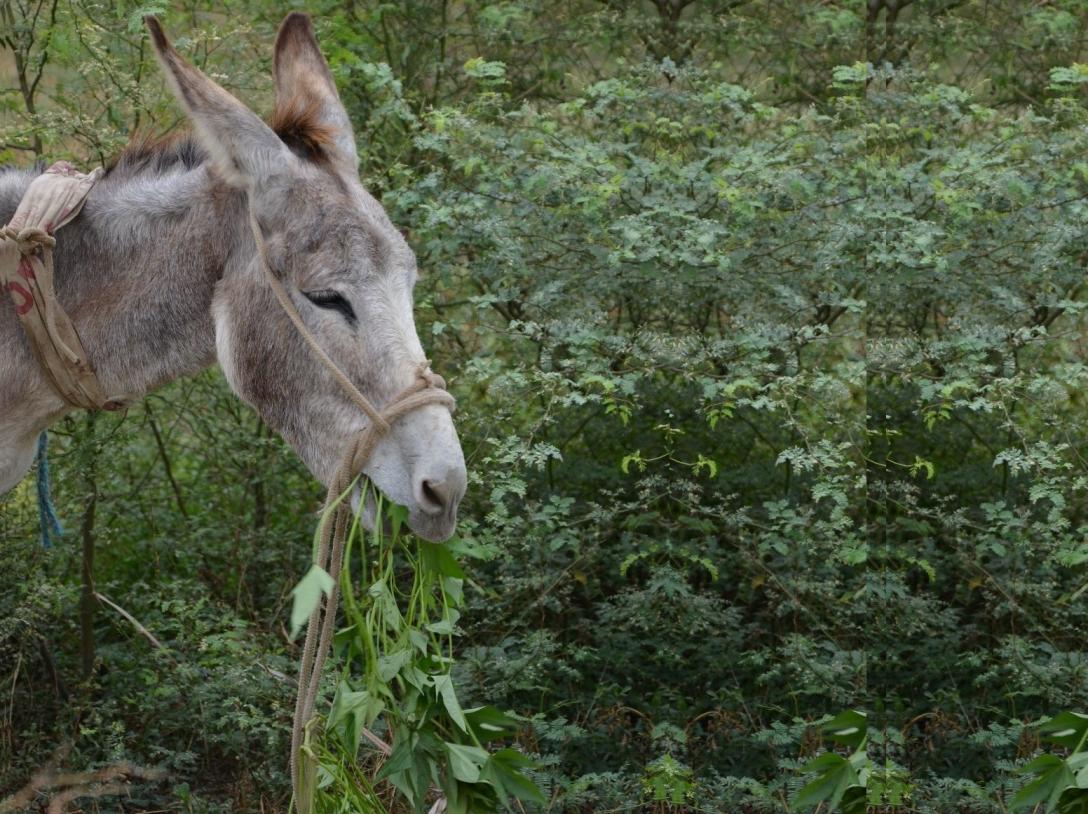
[(332, 300)]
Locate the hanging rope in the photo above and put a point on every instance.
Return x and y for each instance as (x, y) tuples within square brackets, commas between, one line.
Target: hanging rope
[(47, 512), (427, 388)]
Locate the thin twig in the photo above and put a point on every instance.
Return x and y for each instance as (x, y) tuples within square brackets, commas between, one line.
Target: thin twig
[(377, 742), (69, 786), (140, 628)]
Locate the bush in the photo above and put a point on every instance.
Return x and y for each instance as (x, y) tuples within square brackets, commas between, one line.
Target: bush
[(767, 327)]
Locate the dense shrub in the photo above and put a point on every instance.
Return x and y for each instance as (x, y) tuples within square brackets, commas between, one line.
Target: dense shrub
[(771, 369)]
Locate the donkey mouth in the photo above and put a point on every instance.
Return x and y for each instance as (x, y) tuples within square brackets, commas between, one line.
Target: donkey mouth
[(432, 528)]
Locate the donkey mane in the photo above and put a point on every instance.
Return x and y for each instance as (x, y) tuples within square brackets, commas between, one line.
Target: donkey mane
[(156, 154), (297, 122)]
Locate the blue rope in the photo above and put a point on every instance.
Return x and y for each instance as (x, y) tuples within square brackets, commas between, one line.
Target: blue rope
[(47, 512)]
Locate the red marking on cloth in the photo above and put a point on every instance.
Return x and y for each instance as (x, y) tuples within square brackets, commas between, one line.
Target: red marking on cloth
[(26, 271), (49, 226), (28, 298)]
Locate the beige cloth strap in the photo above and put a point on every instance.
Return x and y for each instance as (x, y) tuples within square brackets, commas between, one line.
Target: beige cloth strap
[(428, 388), (26, 273)]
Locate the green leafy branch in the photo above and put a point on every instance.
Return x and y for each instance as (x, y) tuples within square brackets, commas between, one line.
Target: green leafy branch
[(1060, 783), (840, 781), (396, 655)]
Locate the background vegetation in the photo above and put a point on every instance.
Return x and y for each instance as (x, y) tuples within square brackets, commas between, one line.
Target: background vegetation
[(766, 320)]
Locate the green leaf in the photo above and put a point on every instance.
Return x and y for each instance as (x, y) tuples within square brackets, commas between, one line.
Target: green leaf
[(445, 627), (1066, 728), (398, 516), (1082, 777), (466, 761), (836, 775), (1077, 760), (480, 68), (307, 596), (455, 590), (438, 558), (352, 711), (444, 685), (489, 723), (400, 759), (848, 728), (502, 772), (402, 768), (709, 464), (419, 640), (441, 628), (392, 663), (1054, 777)]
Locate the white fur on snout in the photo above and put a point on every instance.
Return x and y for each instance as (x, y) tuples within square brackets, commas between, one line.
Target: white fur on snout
[(398, 302), (422, 443)]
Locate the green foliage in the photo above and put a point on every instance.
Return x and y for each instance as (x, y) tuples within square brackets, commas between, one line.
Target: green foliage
[(396, 660), (1059, 783), (841, 781), (767, 325)]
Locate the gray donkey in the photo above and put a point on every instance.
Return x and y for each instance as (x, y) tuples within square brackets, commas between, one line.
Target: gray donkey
[(160, 276)]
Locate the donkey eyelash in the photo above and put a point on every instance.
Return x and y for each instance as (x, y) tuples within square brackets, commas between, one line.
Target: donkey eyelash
[(333, 301)]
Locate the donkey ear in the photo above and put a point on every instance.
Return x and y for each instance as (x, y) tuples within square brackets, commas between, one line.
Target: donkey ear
[(243, 148), (305, 91)]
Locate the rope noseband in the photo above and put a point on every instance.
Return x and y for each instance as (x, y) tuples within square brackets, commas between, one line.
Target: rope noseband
[(427, 388)]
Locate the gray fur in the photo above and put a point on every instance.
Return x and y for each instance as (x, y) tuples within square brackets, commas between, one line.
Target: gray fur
[(160, 276)]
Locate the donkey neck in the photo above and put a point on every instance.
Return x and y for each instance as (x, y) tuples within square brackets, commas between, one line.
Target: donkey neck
[(144, 261), (136, 271)]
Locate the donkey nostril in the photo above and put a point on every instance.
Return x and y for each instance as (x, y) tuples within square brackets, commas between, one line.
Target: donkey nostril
[(437, 493), (434, 496)]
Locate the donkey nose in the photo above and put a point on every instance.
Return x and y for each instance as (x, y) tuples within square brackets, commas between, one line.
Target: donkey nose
[(440, 493)]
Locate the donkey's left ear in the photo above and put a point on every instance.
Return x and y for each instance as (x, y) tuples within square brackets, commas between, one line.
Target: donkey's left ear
[(306, 92), (242, 147)]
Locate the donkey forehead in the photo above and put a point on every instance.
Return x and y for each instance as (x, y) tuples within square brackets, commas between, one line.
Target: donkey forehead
[(343, 224)]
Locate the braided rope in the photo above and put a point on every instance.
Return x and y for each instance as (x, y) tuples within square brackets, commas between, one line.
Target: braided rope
[(427, 388)]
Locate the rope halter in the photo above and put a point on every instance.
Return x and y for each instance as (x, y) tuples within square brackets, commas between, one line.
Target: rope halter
[(427, 388), (29, 239)]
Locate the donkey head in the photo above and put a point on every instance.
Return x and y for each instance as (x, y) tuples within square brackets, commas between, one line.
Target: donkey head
[(344, 265)]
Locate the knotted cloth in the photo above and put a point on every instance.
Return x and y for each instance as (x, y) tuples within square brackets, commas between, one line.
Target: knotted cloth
[(26, 273)]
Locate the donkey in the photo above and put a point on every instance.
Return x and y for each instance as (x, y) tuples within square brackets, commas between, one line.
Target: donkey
[(160, 275)]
